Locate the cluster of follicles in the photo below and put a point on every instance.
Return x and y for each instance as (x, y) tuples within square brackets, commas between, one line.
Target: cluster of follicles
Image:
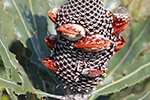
[(87, 37)]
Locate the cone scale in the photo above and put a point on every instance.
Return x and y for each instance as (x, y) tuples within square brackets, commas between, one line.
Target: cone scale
[(79, 68)]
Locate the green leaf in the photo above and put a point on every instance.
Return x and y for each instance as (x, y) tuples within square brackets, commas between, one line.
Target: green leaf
[(23, 27), (2, 69), (139, 91), (28, 25), (131, 64), (12, 85), (17, 81)]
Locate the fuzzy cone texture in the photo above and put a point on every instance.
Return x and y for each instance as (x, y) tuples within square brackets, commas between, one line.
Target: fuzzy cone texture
[(71, 61)]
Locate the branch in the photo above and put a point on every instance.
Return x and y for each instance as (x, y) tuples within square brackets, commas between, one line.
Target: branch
[(96, 91), (51, 95)]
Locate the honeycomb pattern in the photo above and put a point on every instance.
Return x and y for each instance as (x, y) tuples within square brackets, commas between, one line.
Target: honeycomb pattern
[(69, 60), (88, 13)]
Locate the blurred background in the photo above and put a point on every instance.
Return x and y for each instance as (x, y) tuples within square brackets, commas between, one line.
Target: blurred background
[(23, 26)]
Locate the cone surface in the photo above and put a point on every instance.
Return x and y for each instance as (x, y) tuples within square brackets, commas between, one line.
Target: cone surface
[(71, 61)]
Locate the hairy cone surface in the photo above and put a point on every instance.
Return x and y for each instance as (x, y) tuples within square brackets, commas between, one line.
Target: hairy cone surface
[(71, 61)]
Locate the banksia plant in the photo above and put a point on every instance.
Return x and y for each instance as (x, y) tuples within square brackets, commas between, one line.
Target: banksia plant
[(81, 36), (87, 37)]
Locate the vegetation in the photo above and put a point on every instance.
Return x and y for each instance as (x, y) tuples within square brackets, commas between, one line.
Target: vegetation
[(23, 26)]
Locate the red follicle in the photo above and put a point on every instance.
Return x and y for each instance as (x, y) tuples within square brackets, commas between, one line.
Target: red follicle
[(93, 43), (48, 62), (120, 22), (92, 72), (50, 40), (71, 32), (52, 13), (121, 42)]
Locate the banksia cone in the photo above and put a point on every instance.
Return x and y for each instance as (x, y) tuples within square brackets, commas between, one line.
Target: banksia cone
[(87, 37)]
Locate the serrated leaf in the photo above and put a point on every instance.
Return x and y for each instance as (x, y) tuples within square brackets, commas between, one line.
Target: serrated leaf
[(20, 76), (15, 73), (27, 22), (27, 29), (11, 85), (136, 92), (2, 69), (126, 61)]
